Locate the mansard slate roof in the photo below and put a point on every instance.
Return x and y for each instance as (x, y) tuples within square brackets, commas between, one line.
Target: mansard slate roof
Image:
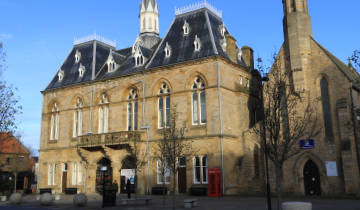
[(71, 68), (202, 22)]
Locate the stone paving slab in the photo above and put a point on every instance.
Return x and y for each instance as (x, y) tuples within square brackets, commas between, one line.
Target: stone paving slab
[(206, 203)]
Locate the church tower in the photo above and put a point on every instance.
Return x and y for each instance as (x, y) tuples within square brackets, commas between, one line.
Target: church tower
[(149, 17), (297, 35)]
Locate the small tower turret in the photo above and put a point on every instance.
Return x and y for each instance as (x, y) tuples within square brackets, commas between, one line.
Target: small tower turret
[(149, 17)]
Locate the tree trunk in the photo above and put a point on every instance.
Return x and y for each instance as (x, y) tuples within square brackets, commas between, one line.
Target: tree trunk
[(174, 188), (278, 172), (15, 181), (163, 192)]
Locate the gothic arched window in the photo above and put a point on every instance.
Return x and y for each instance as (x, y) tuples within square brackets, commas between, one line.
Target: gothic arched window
[(164, 106), (325, 100), (54, 127), (132, 111), (77, 124), (198, 102), (104, 114)]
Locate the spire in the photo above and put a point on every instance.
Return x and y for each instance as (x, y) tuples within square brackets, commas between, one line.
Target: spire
[(149, 17)]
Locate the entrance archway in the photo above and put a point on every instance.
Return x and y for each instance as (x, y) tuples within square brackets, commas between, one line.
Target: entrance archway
[(103, 175), (311, 179), (128, 173)]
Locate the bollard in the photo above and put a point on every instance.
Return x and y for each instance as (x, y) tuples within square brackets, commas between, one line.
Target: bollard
[(15, 198)]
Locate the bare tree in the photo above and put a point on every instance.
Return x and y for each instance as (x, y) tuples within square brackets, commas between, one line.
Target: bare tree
[(356, 58), (2, 58), (170, 148), (288, 116)]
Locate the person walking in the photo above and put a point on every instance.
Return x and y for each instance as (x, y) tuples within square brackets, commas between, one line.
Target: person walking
[(116, 186), (128, 188)]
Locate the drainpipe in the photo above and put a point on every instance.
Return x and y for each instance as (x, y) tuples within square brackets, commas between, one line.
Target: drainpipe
[(221, 126), (353, 119), (144, 126)]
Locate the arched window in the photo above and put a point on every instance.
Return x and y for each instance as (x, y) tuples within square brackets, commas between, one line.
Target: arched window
[(325, 100), (198, 102), (150, 23), (164, 106), (144, 23), (197, 43), (54, 128), (77, 124), (156, 27), (104, 114), (132, 111)]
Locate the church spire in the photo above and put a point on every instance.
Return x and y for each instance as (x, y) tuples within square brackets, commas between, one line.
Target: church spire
[(149, 17)]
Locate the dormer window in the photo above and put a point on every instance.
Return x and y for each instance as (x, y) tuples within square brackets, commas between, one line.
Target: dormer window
[(61, 75), (139, 60), (81, 70), (186, 28), (167, 50), (197, 43), (222, 30), (77, 56), (111, 66)]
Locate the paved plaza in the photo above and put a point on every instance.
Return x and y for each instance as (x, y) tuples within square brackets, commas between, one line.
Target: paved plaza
[(225, 203)]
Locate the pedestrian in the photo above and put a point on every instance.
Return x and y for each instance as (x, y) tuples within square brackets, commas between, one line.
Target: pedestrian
[(128, 188), (116, 186)]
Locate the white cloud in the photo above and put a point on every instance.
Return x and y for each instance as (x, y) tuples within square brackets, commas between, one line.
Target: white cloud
[(5, 36)]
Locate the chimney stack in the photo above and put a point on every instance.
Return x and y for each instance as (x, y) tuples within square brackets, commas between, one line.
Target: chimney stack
[(231, 47), (248, 56)]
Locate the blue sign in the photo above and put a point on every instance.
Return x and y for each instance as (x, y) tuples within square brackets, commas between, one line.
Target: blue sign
[(307, 144)]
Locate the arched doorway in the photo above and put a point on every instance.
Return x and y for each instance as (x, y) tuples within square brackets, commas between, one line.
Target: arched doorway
[(128, 172), (311, 179), (104, 173)]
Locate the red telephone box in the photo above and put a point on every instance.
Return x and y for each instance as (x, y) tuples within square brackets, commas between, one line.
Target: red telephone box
[(214, 182)]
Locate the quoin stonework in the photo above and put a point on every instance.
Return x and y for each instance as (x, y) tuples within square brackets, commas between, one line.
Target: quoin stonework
[(101, 97)]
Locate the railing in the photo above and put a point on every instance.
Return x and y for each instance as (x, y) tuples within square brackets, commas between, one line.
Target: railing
[(107, 139), (95, 37), (196, 6)]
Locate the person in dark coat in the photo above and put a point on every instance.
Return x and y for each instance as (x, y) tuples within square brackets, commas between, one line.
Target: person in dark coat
[(116, 186), (128, 188)]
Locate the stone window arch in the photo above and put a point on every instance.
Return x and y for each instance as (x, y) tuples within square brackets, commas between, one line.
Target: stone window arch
[(325, 100), (78, 116), (55, 118), (198, 101), (164, 106), (104, 114), (132, 110)]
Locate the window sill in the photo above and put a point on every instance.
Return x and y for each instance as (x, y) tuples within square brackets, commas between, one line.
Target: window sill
[(52, 141), (198, 127)]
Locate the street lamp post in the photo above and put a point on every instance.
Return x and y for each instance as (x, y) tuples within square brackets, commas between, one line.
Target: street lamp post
[(268, 192), (147, 157)]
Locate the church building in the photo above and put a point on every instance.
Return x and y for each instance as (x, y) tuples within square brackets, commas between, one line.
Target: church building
[(100, 96)]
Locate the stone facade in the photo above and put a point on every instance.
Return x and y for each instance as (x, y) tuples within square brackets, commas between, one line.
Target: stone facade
[(313, 69), (71, 161)]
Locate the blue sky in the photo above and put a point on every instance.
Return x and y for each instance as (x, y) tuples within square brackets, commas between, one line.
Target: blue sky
[(38, 35)]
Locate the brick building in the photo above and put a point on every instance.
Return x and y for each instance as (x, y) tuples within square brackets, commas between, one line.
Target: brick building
[(101, 95), (14, 158)]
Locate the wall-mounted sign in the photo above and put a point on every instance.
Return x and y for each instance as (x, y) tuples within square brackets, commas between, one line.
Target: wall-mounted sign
[(307, 144), (331, 168)]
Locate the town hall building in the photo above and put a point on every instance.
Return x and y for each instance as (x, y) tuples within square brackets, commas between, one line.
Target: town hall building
[(101, 96)]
